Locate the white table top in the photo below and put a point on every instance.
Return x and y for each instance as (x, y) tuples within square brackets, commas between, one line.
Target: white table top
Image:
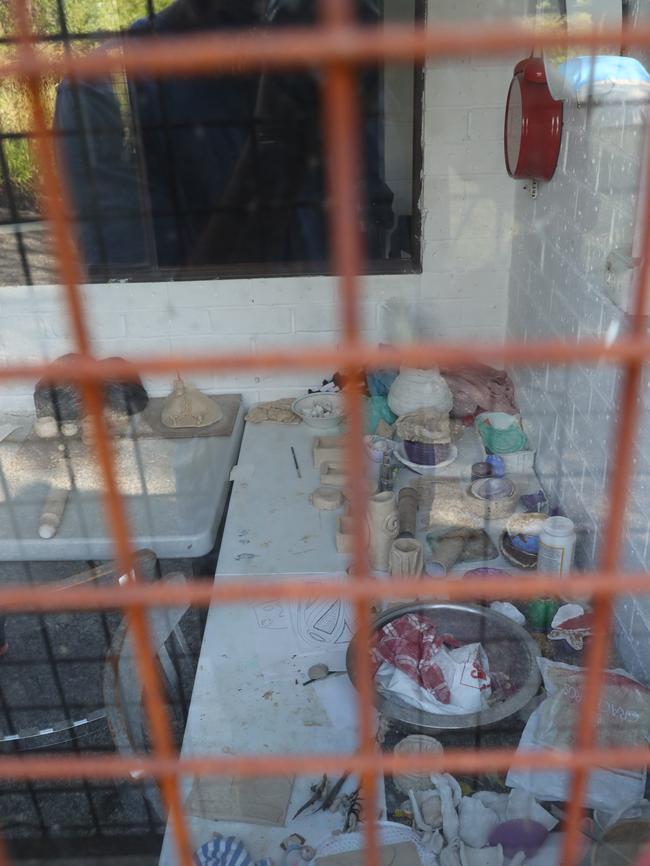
[(248, 696), (174, 491)]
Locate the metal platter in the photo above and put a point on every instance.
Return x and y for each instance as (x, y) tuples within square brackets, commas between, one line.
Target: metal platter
[(509, 648)]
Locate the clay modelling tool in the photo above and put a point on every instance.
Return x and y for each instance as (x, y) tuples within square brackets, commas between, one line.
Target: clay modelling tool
[(332, 794), (317, 792), (320, 671), (295, 461)]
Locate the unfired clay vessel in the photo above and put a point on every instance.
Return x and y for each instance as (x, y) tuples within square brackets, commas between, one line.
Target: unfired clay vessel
[(406, 782), (406, 558), (344, 535), (327, 449), (327, 498), (333, 475), (383, 525), (418, 389)]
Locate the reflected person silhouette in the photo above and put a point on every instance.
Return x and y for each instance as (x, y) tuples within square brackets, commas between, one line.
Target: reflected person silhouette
[(191, 173)]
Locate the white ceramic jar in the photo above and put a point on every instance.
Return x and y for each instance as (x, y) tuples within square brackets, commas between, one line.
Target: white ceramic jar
[(557, 544), (418, 389)]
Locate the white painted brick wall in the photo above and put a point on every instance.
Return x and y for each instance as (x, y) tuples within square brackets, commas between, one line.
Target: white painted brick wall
[(557, 290)]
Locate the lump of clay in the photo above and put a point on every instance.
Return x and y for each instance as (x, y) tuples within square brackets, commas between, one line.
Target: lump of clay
[(186, 406), (58, 405), (125, 396)]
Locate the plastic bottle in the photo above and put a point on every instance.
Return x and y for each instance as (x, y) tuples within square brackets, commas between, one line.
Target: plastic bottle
[(557, 544)]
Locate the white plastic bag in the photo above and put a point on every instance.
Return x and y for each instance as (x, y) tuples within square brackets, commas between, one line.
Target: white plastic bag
[(466, 671), (623, 720)]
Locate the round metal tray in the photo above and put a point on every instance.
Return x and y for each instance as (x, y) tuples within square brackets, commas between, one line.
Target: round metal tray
[(509, 649)]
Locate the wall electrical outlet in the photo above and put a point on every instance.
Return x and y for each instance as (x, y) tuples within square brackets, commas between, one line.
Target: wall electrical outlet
[(621, 271)]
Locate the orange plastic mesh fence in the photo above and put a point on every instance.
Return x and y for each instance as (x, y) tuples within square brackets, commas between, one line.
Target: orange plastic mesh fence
[(340, 47)]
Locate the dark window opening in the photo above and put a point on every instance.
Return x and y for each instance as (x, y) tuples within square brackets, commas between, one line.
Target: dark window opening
[(211, 176)]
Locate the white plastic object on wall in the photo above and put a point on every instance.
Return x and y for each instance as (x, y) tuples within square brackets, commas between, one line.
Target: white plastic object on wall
[(621, 273)]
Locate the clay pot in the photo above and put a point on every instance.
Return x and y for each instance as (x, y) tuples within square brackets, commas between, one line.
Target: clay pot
[(406, 558), (416, 389), (383, 526), (620, 843), (415, 781)]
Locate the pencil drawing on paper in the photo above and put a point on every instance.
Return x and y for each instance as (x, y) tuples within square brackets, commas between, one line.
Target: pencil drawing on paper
[(322, 621), (272, 615)]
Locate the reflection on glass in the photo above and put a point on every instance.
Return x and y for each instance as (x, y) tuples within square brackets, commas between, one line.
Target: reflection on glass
[(212, 172)]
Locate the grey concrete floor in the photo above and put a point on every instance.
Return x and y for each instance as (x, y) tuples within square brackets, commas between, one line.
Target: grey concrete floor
[(52, 672), (36, 264)]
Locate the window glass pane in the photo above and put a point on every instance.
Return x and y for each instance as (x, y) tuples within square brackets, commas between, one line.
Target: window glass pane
[(206, 175)]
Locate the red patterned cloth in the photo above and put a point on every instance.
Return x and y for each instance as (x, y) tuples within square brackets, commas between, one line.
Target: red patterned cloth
[(411, 644), (480, 388)]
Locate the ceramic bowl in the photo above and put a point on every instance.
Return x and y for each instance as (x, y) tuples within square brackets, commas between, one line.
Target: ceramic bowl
[(524, 531), (527, 543), (481, 470), (491, 498), (498, 420), (621, 843), (423, 468), (320, 411), (509, 649), (492, 489), (520, 558), (427, 453), (486, 571)]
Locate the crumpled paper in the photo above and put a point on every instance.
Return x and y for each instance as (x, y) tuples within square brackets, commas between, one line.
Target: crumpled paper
[(424, 425), (277, 411)]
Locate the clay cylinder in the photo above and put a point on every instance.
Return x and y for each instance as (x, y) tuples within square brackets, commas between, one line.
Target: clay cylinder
[(407, 506), (406, 558), (449, 550), (52, 513), (383, 528)]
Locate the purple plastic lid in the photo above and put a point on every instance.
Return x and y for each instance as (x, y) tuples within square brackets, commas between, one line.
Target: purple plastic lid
[(519, 834)]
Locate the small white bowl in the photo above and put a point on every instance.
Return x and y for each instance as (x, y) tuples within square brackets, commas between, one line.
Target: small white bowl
[(421, 468), (332, 410)]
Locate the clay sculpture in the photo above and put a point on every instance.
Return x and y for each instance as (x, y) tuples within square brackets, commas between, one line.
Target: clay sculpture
[(186, 406)]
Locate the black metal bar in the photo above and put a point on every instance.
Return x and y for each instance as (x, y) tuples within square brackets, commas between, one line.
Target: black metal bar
[(14, 216)]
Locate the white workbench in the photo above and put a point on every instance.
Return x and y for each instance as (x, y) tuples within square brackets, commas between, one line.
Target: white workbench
[(242, 702), (174, 491), (248, 695)]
